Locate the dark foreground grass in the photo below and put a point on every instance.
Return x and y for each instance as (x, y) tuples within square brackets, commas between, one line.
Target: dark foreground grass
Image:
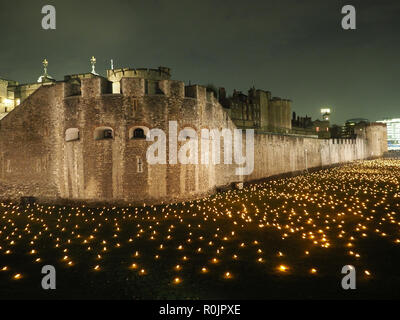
[(320, 221)]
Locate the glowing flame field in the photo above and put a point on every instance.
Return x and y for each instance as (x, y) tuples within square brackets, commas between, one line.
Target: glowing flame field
[(285, 238)]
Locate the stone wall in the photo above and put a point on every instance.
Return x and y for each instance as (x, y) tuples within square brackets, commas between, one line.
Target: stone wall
[(36, 160), (28, 148), (376, 136)]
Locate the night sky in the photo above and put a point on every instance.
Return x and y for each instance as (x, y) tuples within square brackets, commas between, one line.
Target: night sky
[(295, 49)]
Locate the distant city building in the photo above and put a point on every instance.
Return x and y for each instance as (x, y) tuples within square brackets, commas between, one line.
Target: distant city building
[(349, 130), (257, 109), (321, 127), (306, 126), (393, 133), (302, 125), (326, 114)]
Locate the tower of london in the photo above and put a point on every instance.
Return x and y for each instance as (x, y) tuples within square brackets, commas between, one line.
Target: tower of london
[(83, 138)]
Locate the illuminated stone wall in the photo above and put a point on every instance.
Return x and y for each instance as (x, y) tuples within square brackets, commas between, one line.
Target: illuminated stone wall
[(36, 160)]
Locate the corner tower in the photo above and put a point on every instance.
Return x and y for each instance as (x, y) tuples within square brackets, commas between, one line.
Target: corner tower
[(151, 77)]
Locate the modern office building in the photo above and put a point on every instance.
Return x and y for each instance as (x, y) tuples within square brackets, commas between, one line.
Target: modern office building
[(393, 133)]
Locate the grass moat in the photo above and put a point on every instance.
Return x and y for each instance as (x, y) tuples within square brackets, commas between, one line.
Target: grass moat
[(283, 239)]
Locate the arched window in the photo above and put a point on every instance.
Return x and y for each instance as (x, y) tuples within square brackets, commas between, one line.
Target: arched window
[(72, 134), (138, 133), (103, 133)]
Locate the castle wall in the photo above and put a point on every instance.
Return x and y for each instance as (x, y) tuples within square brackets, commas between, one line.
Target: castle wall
[(24, 91), (36, 160), (277, 154), (27, 144), (376, 136)]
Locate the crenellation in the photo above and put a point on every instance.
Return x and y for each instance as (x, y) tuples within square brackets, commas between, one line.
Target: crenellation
[(133, 87), (201, 93), (71, 89), (94, 87), (210, 98), (191, 92), (177, 89), (172, 88)]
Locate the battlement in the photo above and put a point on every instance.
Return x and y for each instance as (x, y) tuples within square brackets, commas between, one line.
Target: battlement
[(264, 94), (139, 87), (278, 99), (162, 73), (135, 87), (172, 88), (195, 92), (95, 86), (377, 124), (79, 76), (8, 83)]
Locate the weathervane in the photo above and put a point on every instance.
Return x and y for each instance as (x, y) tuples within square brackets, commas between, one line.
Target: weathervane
[(93, 62), (45, 65)]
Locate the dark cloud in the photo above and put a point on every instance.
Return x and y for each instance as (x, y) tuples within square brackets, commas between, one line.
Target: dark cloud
[(296, 49)]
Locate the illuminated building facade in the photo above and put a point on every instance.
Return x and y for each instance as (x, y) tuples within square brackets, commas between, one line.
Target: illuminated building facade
[(393, 133), (326, 114), (13, 94)]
